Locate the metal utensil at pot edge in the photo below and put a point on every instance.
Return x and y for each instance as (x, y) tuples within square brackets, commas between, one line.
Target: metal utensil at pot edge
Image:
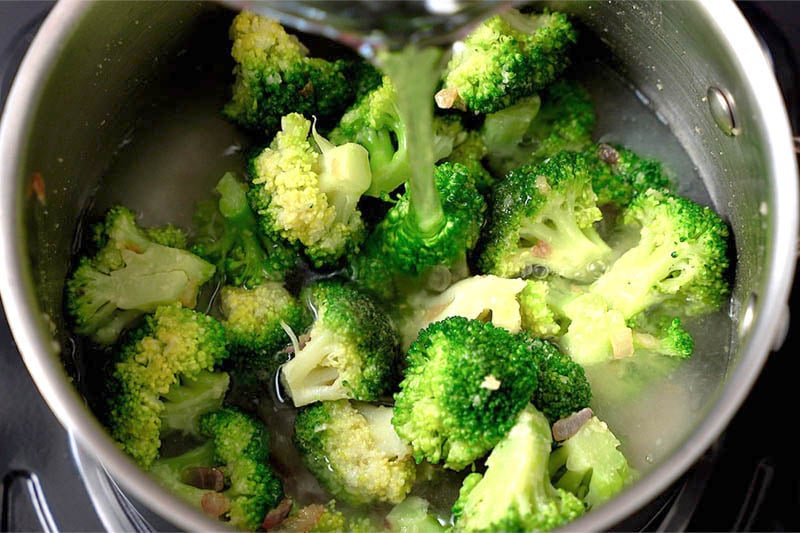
[(94, 67)]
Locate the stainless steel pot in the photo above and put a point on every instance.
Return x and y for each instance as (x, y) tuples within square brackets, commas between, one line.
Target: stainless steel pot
[(94, 67)]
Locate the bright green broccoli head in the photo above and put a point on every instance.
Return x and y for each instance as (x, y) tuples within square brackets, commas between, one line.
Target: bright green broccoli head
[(543, 218), (354, 452), (128, 276), (563, 388), (679, 262), (535, 128), (619, 174), (351, 351), (590, 465), (505, 58), (662, 335), (275, 76), (306, 191), (515, 493), (175, 346), (465, 383), (237, 454), (409, 250), (228, 236)]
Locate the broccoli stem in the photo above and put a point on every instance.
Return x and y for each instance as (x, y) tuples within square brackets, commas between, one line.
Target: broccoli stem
[(305, 377), (415, 74)]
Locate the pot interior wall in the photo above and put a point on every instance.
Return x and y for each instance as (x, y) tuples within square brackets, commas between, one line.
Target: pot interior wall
[(125, 117)]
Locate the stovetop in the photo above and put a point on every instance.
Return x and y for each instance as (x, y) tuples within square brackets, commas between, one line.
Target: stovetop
[(747, 481)]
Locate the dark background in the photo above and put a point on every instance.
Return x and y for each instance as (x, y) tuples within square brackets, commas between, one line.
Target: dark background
[(749, 480)]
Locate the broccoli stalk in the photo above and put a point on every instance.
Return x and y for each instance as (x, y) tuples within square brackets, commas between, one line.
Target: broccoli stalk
[(353, 450), (515, 493), (191, 397), (238, 447), (351, 349)]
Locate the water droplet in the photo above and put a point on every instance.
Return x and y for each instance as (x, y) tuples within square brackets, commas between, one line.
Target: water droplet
[(648, 458), (596, 268)]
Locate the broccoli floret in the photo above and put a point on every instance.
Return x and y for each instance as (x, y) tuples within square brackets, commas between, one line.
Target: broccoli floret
[(175, 346), (167, 235), (411, 515), (595, 333), (489, 298), (543, 218), (238, 447), (187, 400), (318, 518), (661, 334), (679, 261), (275, 76), (128, 276), (256, 320), (354, 452), (351, 351), (465, 383), (471, 151), (307, 190), (515, 492), (506, 57), (590, 465), (619, 174), (563, 387), (227, 235), (534, 129), (541, 304)]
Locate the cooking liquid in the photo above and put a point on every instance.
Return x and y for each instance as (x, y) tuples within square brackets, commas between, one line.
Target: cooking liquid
[(183, 146)]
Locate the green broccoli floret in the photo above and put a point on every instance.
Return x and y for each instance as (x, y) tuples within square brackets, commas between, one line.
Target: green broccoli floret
[(589, 465), (619, 174), (167, 235), (227, 235), (275, 76), (411, 515), (306, 191), (256, 321), (128, 276), (534, 129), (189, 398), (596, 333), (563, 387), (351, 351), (488, 298), (354, 452), (465, 383), (175, 347), (238, 448), (679, 261), (506, 57), (661, 335), (515, 492), (543, 218), (541, 305)]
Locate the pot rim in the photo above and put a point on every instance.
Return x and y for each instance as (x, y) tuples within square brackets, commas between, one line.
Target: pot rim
[(49, 375)]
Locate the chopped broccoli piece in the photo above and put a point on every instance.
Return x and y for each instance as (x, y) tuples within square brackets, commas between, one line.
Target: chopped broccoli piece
[(515, 492), (465, 383), (411, 515), (191, 397), (541, 304), (228, 236), (354, 452), (128, 276), (238, 446), (175, 346), (351, 351), (661, 335), (619, 174), (589, 465), (534, 128), (543, 218), (506, 57), (563, 387), (318, 518), (678, 263), (167, 235), (595, 333), (307, 190), (275, 76), (256, 320)]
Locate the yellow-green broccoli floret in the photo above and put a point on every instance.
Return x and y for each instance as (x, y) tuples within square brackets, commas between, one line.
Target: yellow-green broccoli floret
[(237, 447), (131, 274), (590, 465), (506, 57), (306, 191), (351, 348), (354, 452), (175, 346), (515, 492)]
